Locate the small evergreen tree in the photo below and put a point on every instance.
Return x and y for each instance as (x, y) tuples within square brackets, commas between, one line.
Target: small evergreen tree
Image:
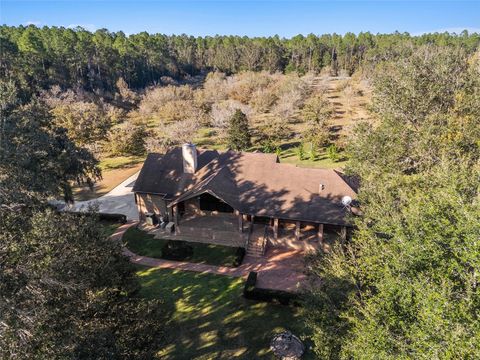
[(239, 137)]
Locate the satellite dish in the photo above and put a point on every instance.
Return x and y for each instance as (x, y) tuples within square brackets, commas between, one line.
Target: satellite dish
[(346, 200)]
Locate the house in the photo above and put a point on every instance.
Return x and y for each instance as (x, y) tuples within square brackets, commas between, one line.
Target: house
[(243, 199)]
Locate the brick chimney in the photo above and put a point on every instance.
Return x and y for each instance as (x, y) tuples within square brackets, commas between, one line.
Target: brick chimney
[(189, 153)]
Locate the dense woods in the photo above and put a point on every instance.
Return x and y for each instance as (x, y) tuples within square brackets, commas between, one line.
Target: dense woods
[(407, 284), (38, 58)]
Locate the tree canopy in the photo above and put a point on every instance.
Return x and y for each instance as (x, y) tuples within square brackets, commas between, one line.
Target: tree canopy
[(239, 132), (41, 57), (406, 285), (66, 290)]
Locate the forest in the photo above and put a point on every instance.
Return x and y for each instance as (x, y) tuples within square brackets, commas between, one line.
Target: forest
[(400, 113), (38, 58)]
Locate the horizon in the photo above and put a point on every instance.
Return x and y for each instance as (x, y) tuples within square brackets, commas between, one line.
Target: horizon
[(252, 19)]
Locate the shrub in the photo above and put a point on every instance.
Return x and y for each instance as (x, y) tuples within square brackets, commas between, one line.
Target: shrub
[(239, 255), (312, 153), (268, 146), (250, 284), (120, 218), (332, 152), (300, 152), (278, 151), (177, 250)]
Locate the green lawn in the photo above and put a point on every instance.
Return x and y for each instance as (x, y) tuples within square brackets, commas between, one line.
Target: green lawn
[(207, 138), (210, 319), (142, 243), (109, 227), (321, 160), (119, 162)]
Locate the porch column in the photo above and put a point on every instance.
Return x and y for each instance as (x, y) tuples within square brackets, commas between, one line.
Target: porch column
[(240, 221), (175, 217), (343, 233), (320, 235), (275, 228), (297, 231)]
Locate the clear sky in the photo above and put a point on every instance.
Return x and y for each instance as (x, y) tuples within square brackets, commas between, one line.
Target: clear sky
[(251, 18)]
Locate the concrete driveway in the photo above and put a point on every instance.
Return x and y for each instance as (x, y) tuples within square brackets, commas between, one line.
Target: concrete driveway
[(119, 200)]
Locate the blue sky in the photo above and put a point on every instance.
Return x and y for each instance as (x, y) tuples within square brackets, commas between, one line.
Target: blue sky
[(251, 18)]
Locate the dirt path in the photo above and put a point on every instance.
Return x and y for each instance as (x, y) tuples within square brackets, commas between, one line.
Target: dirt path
[(349, 106)]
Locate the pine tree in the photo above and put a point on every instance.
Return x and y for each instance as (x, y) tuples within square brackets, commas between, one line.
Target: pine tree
[(239, 137)]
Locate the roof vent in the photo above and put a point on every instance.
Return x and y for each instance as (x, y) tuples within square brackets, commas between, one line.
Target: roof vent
[(189, 153), (321, 187)]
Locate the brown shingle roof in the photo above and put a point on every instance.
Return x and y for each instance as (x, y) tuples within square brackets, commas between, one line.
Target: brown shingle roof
[(253, 183)]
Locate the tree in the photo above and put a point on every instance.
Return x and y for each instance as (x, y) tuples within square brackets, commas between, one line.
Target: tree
[(66, 291), (316, 113), (406, 285), (39, 58), (37, 157), (181, 132), (239, 137), (85, 122), (127, 139), (126, 95)]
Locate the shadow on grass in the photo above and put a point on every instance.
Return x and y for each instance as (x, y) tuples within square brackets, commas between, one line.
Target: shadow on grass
[(210, 319), (144, 244)]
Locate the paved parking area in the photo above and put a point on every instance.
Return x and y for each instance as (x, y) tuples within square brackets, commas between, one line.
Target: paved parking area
[(119, 200)]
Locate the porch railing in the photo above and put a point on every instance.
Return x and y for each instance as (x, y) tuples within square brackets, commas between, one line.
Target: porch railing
[(249, 234), (265, 239)]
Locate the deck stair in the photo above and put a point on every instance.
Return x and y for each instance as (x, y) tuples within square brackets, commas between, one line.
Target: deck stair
[(257, 242)]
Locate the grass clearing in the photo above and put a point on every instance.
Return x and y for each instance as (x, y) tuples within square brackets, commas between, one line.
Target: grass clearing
[(210, 319), (142, 243), (120, 162), (321, 159)]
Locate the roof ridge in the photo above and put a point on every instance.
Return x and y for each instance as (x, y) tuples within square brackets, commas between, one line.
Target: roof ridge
[(198, 186)]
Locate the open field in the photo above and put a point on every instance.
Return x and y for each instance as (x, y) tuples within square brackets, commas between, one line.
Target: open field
[(350, 99), (210, 319)]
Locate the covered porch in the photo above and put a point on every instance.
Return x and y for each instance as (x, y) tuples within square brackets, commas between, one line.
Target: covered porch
[(305, 236), (206, 218)]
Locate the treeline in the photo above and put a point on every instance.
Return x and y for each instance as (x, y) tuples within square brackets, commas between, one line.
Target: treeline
[(37, 58)]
